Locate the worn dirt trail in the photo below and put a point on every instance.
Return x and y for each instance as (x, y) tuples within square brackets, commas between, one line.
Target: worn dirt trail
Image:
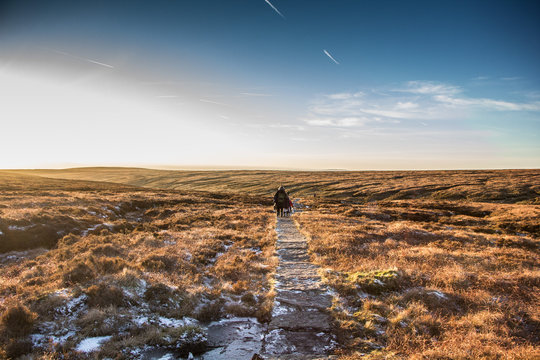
[(300, 326)]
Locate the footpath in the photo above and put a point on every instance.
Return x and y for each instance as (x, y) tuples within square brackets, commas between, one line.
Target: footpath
[(300, 326)]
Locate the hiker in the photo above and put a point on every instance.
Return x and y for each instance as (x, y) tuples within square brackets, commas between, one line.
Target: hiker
[(291, 206), (281, 200), (288, 209)]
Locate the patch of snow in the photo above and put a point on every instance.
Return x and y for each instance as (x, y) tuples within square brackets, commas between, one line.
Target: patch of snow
[(167, 357), (19, 228), (281, 309), (141, 288), (256, 250), (168, 322), (91, 344), (1, 233), (75, 304), (91, 228), (438, 294), (94, 227), (276, 343), (62, 292), (37, 339), (42, 341), (141, 320)]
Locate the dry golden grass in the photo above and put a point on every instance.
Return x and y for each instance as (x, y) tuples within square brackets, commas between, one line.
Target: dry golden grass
[(438, 264), (111, 254), (430, 279), (508, 186)]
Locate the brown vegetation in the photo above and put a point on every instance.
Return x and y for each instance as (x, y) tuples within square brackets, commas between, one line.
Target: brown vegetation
[(440, 264), (128, 263), (508, 186), (430, 279)]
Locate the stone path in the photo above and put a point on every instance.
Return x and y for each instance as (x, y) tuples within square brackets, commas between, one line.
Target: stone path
[(300, 326)]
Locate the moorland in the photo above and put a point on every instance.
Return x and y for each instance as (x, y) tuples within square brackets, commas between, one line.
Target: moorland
[(422, 264)]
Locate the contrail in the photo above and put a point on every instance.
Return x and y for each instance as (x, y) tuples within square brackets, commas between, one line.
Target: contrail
[(330, 56), (84, 59), (273, 7), (99, 63)]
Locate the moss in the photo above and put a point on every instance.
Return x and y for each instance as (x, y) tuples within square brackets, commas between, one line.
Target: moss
[(375, 282)]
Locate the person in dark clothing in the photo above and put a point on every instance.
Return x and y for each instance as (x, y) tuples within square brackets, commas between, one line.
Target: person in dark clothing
[(281, 200)]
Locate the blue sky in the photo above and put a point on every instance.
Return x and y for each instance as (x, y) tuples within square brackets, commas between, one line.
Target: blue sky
[(413, 85)]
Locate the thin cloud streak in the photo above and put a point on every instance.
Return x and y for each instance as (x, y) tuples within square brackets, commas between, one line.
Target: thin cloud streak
[(275, 9), (213, 102), (254, 94), (330, 56), (83, 59)]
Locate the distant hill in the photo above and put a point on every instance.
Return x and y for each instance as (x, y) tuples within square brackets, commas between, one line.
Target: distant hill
[(505, 186)]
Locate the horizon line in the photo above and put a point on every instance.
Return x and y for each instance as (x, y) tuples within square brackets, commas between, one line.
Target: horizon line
[(254, 168)]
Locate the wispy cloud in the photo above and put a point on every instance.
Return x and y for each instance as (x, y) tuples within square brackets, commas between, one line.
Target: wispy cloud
[(337, 122), (345, 95), (406, 105), (330, 56), (428, 88), (490, 104), (414, 103), (82, 58), (287, 126), (275, 9), (213, 102), (254, 94)]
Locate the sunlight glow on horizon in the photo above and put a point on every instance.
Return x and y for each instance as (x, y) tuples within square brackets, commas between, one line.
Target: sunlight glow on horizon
[(76, 123)]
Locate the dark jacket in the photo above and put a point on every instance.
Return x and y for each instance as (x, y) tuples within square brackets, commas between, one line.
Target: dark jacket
[(281, 198)]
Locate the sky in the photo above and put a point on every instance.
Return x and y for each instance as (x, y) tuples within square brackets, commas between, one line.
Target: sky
[(318, 84)]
